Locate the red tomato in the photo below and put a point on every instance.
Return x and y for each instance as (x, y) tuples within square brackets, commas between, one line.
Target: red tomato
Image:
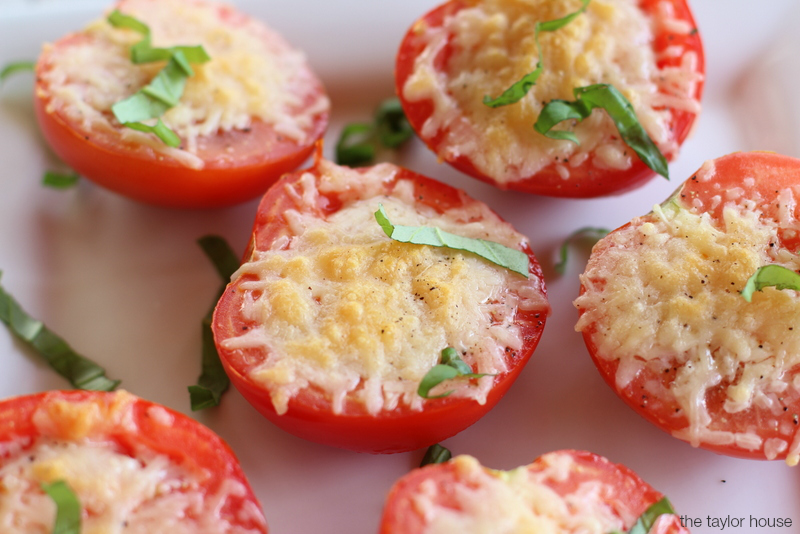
[(586, 179), (237, 164), (128, 426), (715, 371), (623, 496), (310, 413)]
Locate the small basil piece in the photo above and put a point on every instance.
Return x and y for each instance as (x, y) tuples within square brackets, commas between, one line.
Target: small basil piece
[(520, 88), (649, 517), (81, 372), (359, 141), (213, 381), (775, 276), (450, 366), (620, 110), (16, 67), (436, 454), (509, 258), (60, 180), (68, 507), (587, 233)]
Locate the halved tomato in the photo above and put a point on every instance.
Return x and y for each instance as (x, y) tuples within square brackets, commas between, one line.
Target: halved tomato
[(131, 463), (251, 113), (462, 51), (564, 491), (663, 318), (329, 326)]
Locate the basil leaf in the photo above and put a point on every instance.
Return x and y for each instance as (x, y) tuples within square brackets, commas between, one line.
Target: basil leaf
[(68, 508), (213, 381), (618, 108), (121, 20), (436, 454), (16, 67), (585, 233), (355, 146), (775, 276), (520, 88), (161, 130), (450, 366), (511, 259), (649, 517), (81, 372), (392, 125), (359, 142), (60, 180)]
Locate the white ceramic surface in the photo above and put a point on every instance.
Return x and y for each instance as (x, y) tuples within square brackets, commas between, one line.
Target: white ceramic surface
[(126, 284)]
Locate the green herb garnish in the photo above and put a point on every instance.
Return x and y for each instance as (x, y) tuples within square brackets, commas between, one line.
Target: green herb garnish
[(450, 366), (16, 67), (60, 180), (618, 108), (81, 372), (436, 454), (511, 259), (519, 89), (165, 90), (359, 141), (213, 381), (649, 517), (68, 508), (775, 276), (587, 233)]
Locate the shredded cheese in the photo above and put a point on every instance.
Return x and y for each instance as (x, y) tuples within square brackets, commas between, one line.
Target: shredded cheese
[(344, 309), (492, 43)]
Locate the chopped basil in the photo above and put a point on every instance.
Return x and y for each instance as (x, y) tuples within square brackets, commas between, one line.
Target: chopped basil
[(60, 180), (15, 67), (775, 276), (618, 108), (586, 233), (436, 454), (81, 372), (359, 142), (213, 381), (520, 88), (68, 508), (450, 366), (649, 517), (511, 259), (165, 90)]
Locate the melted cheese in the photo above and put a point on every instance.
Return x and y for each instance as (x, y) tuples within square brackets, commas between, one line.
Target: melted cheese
[(521, 501), (666, 294), (253, 75), (119, 493), (493, 47), (346, 310)]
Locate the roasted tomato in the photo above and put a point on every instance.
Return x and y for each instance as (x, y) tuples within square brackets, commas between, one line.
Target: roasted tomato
[(664, 320), (462, 51), (562, 492), (329, 325), (249, 114), (135, 467)]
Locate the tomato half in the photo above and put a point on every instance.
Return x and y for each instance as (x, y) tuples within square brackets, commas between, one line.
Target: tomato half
[(85, 437), (344, 419), (675, 42), (680, 345), (229, 165), (470, 496)]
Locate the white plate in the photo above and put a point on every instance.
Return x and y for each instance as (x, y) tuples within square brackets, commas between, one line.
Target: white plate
[(126, 284)]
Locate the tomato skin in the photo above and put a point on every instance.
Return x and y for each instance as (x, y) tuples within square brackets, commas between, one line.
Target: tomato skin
[(309, 414), (770, 173), (401, 515), (185, 441), (238, 165), (586, 181)]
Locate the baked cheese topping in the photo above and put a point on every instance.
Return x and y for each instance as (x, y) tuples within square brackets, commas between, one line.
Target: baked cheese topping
[(253, 75), (344, 309), (665, 294), (519, 501), (118, 493), (493, 47)]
